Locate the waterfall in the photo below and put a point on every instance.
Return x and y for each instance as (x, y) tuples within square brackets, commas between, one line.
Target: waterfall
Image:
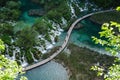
[(35, 60), (77, 3), (72, 10), (7, 52), (64, 21), (24, 63), (48, 45), (15, 51), (56, 31), (41, 49), (52, 38)]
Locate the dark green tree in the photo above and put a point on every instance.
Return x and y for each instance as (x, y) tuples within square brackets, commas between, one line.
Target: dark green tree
[(27, 38)]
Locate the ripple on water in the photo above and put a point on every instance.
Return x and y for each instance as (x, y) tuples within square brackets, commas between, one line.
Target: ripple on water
[(49, 71)]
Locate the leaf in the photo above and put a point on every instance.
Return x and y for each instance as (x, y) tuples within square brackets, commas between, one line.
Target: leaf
[(118, 8)]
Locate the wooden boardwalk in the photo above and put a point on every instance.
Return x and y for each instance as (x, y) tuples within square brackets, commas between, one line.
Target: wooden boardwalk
[(64, 43)]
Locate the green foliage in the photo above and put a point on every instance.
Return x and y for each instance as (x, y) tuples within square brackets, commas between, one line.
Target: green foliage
[(42, 26), (6, 39), (118, 9), (29, 57), (27, 38), (10, 10), (6, 28), (111, 33), (54, 15), (50, 4), (2, 46), (114, 73), (62, 10), (9, 69), (47, 36), (13, 4)]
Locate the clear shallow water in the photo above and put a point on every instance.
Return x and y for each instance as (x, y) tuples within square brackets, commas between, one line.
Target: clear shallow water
[(26, 6), (82, 36), (49, 71), (28, 20)]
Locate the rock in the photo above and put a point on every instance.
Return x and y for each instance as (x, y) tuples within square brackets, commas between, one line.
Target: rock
[(78, 26), (36, 12)]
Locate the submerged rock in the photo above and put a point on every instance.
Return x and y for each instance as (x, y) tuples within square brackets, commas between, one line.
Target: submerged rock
[(36, 12), (78, 26)]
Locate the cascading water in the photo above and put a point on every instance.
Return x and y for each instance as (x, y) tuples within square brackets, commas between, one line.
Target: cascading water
[(24, 63), (35, 60), (51, 69), (56, 31), (72, 10)]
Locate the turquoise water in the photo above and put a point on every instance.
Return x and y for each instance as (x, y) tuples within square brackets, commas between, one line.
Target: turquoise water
[(49, 71), (53, 70), (82, 36), (28, 20), (25, 7)]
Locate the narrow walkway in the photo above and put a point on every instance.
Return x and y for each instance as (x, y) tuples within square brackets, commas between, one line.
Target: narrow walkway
[(64, 43)]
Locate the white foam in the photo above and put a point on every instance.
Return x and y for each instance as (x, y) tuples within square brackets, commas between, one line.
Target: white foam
[(40, 48), (72, 10), (24, 63), (64, 21)]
